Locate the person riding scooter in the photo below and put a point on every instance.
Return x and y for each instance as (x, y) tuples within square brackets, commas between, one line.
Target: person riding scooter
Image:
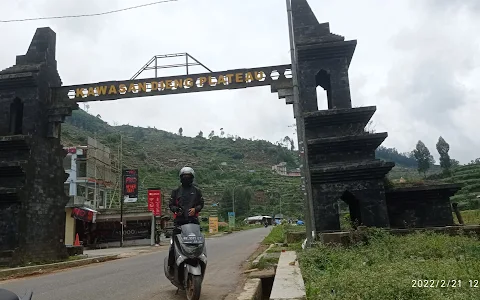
[(186, 202)]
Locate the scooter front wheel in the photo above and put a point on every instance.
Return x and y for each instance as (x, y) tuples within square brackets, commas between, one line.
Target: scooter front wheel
[(194, 287)]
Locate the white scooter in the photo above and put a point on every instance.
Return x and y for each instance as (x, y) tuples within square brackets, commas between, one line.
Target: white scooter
[(190, 261)]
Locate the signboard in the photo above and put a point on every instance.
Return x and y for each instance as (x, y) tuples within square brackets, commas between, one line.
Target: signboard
[(74, 150), (155, 201), (231, 219), (130, 185), (231, 79), (84, 214), (133, 230), (213, 224)]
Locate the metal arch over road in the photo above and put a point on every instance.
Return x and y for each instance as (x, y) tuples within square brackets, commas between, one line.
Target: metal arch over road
[(212, 81)]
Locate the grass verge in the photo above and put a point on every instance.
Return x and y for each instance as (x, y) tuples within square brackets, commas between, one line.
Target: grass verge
[(470, 217), (387, 266)]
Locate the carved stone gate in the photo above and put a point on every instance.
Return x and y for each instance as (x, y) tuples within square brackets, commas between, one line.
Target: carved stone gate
[(339, 153)]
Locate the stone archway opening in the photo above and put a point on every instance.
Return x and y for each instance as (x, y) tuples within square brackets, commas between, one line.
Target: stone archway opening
[(354, 208), (16, 117), (324, 87)]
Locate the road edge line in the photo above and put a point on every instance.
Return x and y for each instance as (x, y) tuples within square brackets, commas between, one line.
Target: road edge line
[(14, 273)]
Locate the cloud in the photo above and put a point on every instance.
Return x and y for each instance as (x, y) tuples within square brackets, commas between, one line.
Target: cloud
[(417, 61), (436, 6), (435, 56)]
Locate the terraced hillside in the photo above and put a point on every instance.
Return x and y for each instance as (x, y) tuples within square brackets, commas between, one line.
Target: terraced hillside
[(469, 177), (221, 163)]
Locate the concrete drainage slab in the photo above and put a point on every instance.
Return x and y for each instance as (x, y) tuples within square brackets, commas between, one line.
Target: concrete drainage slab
[(288, 282)]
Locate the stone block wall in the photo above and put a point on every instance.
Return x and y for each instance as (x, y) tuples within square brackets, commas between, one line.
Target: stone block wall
[(32, 197), (423, 206)]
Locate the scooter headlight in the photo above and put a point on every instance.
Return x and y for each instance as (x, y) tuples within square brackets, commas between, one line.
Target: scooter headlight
[(192, 250)]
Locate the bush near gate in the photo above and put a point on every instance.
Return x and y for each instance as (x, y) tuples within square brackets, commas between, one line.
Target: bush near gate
[(385, 267)]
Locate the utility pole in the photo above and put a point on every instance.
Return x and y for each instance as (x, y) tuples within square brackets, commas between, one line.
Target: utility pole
[(121, 190), (280, 197), (302, 148), (233, 199), (95, 173)]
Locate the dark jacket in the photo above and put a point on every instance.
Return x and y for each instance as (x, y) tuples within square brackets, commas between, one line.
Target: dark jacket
[(186, 198)]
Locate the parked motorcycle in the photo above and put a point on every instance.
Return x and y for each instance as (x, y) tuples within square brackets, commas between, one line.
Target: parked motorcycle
[(266, 225), (7, 295), (190, 261)]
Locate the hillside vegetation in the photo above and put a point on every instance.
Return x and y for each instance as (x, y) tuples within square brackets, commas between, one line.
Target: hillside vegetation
[(222, 164), (469, 177)]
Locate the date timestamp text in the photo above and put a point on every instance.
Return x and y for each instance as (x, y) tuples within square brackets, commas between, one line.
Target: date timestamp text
[(445, 283)]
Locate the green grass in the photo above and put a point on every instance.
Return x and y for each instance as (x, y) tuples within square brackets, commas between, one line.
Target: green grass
[(267, 262), (222, 229), (385, 267), (276, 235), (470, 217)]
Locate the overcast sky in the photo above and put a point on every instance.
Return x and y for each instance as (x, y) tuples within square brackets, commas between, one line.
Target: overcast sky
[(418, 61)]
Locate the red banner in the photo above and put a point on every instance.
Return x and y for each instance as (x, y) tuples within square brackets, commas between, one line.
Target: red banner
[(155, 201), (84, 214)]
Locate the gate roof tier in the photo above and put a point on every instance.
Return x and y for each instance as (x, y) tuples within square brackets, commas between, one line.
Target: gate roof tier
[(319, 118), (346, 144), (350, 171), (337, 122)]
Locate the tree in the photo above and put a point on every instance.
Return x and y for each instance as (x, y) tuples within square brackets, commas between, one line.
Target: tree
[(475, 162), (292, 145), (222, 132), (287, 141), (138, 134), (423, 157), (443, 147), (225, 203), (200, 134), (180, 131), (455, 163), (211, 135), (243, 197)]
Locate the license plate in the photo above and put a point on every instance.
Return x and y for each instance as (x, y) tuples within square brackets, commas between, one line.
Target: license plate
[(193, 239)]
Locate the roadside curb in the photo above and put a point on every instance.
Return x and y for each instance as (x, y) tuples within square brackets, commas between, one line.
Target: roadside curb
[(252, 290), (257, 260), (40, 269)]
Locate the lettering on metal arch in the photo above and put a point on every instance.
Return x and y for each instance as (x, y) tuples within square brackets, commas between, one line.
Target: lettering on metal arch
[(231, 79)]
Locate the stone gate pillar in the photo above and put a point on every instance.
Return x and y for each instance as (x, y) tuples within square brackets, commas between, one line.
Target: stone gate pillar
[(32, 197), (341, 153)]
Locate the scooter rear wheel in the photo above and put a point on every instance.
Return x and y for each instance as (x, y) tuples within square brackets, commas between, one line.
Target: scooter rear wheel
[(194, 287)]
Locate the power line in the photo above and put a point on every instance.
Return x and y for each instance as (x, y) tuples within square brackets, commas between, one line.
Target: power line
[(88, 15)]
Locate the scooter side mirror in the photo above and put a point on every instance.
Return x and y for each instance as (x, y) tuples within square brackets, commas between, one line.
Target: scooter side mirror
[(8, 295), (28, 295)]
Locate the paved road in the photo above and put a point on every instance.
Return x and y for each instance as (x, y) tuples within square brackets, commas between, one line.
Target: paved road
[(141, 277)]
